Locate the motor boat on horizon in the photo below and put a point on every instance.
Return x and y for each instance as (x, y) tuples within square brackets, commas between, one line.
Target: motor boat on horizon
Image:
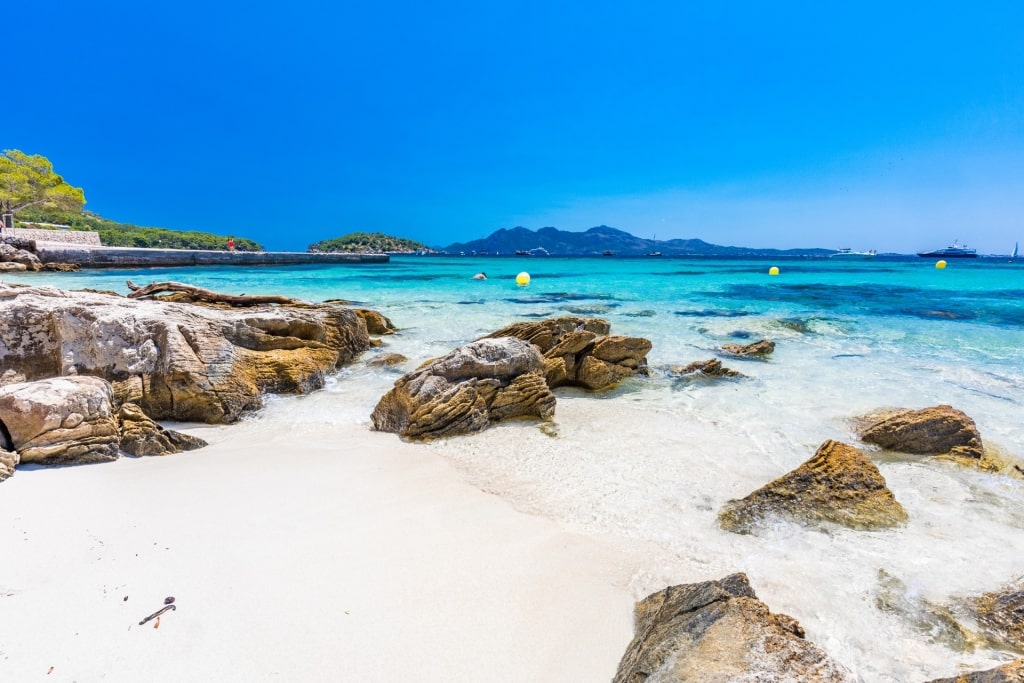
[(954, 250), (848, 253)]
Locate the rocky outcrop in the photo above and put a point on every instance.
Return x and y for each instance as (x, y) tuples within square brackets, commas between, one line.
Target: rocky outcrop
[(376, 323), (8, 461), (61, 420), (6, 267), (142, 436), (758, 349), (1001, 615), (13, 254), (485, 381), (704, 368), (838, 485), (719, 631), (176, 361), (1011, 672), (578, 352), (939, 430)]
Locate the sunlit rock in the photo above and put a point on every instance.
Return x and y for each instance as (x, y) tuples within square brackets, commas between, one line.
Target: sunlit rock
[(719, 631), (838, 485), (475, 385)]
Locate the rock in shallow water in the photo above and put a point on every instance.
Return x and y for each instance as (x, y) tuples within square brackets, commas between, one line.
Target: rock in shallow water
[(937, 430), (463, 392), (1011, 672), (839, 484), (719, 631), (579, 352)]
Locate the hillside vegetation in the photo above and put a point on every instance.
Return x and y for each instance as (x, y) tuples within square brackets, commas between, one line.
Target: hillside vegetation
[(368, 243), (113, 234)]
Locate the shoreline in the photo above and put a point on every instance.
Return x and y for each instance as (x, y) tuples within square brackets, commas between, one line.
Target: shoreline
[(372, 562)]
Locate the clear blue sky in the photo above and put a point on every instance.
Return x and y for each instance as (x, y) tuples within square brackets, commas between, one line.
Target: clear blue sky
[(893, 126)]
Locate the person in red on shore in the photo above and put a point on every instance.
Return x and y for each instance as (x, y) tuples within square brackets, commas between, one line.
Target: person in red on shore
[(231, 244)]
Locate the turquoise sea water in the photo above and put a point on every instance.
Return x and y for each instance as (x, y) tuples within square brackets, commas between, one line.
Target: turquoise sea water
[(650, 463)]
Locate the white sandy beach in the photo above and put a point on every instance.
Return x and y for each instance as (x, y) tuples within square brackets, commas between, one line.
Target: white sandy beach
[(297, 556)]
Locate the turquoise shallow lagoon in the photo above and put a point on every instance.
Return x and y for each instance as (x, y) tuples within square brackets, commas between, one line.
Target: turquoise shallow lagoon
[(651, 462)]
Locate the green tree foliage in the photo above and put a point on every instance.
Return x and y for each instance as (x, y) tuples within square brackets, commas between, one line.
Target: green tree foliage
[(114, 234), (29, 180), (369, 243)]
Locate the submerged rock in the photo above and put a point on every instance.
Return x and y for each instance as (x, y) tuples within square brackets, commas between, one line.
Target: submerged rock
[(177, 361), (485, 381), (705, 368), (939, 430), (719, 631), (387, 360), (579, 352), (1011, 672), (61, 420), (1001, 615), (142, 436), (839, 485), (758, 349)]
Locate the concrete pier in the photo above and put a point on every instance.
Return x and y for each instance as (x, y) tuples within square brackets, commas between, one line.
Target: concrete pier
[(133, 257)]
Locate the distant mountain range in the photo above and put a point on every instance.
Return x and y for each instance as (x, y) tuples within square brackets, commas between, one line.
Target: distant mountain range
[(604, 240)]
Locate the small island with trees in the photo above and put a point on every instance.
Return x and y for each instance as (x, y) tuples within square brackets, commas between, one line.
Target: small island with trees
[(369, 243)]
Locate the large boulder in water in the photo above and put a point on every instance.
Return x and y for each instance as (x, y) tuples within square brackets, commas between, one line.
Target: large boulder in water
[(579, 352), (485, 381), (719, 631), (61, 420), (938, 430), (177, 361), (839, 485), (1011, 672)]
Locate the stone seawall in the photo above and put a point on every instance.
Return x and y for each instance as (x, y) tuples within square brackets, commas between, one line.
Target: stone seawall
[(132, 257), (82, 237)]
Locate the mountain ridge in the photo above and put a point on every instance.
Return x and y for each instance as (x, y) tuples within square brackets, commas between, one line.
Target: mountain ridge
[(602, 239)]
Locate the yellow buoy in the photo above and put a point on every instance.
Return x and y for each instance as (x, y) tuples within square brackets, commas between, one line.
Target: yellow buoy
[(940, 264), (523, 279), (774, 270)]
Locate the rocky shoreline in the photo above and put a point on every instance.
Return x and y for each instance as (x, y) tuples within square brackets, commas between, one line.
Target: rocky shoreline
[(85, 376)]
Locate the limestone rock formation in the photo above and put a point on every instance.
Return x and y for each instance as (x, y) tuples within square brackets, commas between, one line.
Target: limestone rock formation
[(485, 381), (176, 361), (719, 631), (578, 352), (758, 349), (935, 431), (705, 368), (1011, 672), (8, 461), (7, 267), (839, 484), (61, 420), (376, 323), (12, 254), (142, 436)]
